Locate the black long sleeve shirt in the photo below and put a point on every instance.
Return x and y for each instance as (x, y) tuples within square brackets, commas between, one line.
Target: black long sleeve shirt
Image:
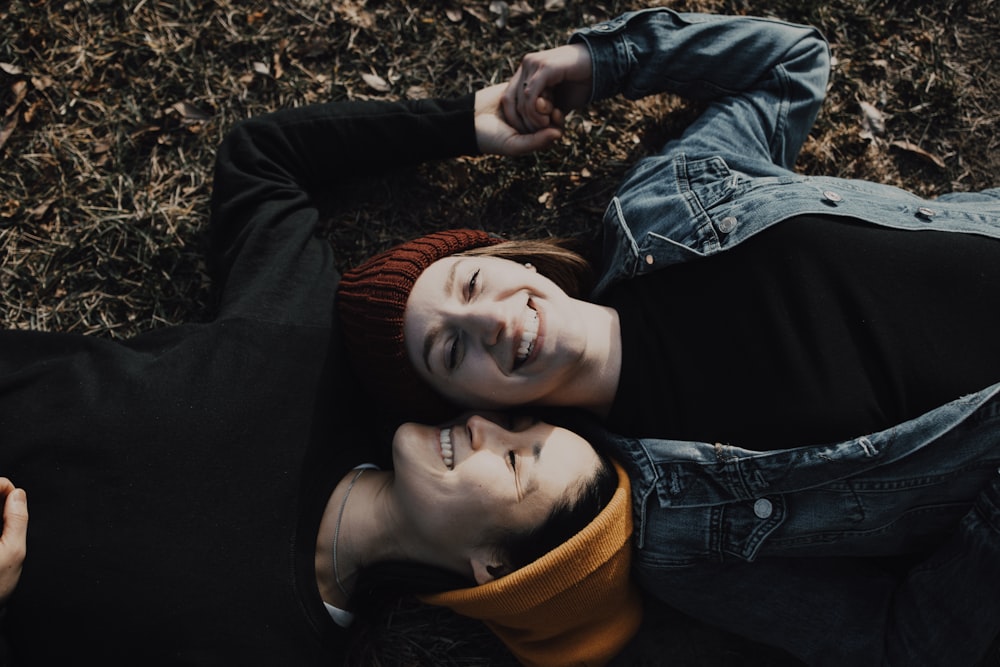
[(177, 480)]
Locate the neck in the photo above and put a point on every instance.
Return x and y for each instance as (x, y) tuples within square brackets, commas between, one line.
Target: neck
[(594, 386), (373, 528), (347, 532)]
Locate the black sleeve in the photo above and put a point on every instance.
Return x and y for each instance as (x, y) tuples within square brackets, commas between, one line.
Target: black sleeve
[(263, 257)]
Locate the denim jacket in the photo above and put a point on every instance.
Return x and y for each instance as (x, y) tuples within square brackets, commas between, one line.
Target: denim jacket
[(880, 550)]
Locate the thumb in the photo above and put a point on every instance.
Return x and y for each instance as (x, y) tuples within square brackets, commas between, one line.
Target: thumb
[(520, 144), (15, 519)]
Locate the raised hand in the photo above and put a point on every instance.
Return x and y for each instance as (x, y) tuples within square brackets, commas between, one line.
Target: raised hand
[(13, 540), (546, 86), (495, 135)]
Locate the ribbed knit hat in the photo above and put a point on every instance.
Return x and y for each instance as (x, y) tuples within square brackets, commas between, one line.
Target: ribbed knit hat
[(576, 605), (371, 300)]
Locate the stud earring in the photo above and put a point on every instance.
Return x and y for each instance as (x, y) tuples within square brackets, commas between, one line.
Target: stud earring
[(529, 266)]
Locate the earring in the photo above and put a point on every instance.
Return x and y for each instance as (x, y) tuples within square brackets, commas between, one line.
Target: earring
[(529, 266)]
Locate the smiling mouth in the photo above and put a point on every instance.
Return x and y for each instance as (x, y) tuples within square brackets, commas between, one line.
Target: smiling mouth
[(447, 449), (529, 334)]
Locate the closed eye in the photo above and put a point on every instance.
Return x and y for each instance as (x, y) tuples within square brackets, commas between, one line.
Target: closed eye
[(451, 358)]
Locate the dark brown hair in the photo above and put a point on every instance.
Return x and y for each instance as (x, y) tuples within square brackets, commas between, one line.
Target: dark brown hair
[(554, 258)]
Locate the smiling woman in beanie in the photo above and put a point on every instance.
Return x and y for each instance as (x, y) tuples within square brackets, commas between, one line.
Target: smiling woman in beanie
[(372, 300)]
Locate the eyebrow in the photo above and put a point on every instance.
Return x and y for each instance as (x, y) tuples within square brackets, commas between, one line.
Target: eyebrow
[(435, 331), (536, 451)]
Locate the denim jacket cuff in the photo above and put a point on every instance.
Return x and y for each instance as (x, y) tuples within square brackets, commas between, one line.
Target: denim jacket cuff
[(609, 53)]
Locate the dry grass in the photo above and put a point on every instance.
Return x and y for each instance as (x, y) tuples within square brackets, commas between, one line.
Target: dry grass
[(110, 112)]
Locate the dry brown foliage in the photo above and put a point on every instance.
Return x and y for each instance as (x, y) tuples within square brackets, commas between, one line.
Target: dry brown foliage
[(110, 112)]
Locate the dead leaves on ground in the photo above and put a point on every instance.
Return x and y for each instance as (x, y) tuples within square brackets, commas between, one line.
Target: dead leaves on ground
[(873, 127)]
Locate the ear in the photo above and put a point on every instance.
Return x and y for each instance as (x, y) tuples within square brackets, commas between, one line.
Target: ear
[(485, 566)]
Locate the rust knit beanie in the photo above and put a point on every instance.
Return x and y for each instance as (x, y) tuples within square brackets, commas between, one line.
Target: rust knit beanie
[(575, 606), (371, 299)]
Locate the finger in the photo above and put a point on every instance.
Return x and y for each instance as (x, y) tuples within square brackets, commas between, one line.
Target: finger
[(508, 105), (544, 106), (527, 107), (527, 143), (15, 520), (558, 117)]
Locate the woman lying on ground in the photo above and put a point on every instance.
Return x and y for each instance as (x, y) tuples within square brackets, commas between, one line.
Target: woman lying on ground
[(784, 316), (195, 491)]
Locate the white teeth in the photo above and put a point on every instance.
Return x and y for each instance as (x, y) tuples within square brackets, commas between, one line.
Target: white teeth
[(447, 451), (529, 335)]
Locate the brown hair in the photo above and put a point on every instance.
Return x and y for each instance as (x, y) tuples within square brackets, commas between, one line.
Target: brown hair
[(554, 258)]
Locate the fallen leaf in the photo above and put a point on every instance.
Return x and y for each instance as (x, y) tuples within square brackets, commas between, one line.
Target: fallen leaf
[(7, 130), (502, 9), (554, 5), (872, 121), (29, 113), (910, 147), (477, 13), (355, 14), (10, 208), (42, 81), (41, 209), (520, 8), (376, 82), (101, 146), (417, 93), (144, 130), (262, 68), (190, 113), (20, 89), (454, 15)]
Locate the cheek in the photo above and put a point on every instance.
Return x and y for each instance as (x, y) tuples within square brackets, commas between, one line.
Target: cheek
[(473, 385), (481, 486)]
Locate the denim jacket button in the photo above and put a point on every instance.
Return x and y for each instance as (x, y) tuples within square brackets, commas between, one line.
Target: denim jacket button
[(832, 196), (603, 27), (649, 259), (925, 212), (727, 224), (762, 508)]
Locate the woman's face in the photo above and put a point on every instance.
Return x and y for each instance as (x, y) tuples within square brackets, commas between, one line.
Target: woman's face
[(464, 480), (488, 332)]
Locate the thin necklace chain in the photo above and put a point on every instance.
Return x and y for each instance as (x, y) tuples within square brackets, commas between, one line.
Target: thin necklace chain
[(336, 533)]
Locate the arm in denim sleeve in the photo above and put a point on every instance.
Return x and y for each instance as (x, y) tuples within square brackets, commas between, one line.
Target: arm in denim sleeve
[(764, 80), (942, 611)]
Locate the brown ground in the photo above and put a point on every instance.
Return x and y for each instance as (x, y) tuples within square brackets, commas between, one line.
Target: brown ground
[(110, 112)]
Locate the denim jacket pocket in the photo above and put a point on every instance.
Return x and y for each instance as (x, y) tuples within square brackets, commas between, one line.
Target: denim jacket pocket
[(683, 536), (661, 216)]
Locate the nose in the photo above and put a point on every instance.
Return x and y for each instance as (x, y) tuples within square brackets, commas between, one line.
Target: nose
[(486, 434), (487, 323)]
